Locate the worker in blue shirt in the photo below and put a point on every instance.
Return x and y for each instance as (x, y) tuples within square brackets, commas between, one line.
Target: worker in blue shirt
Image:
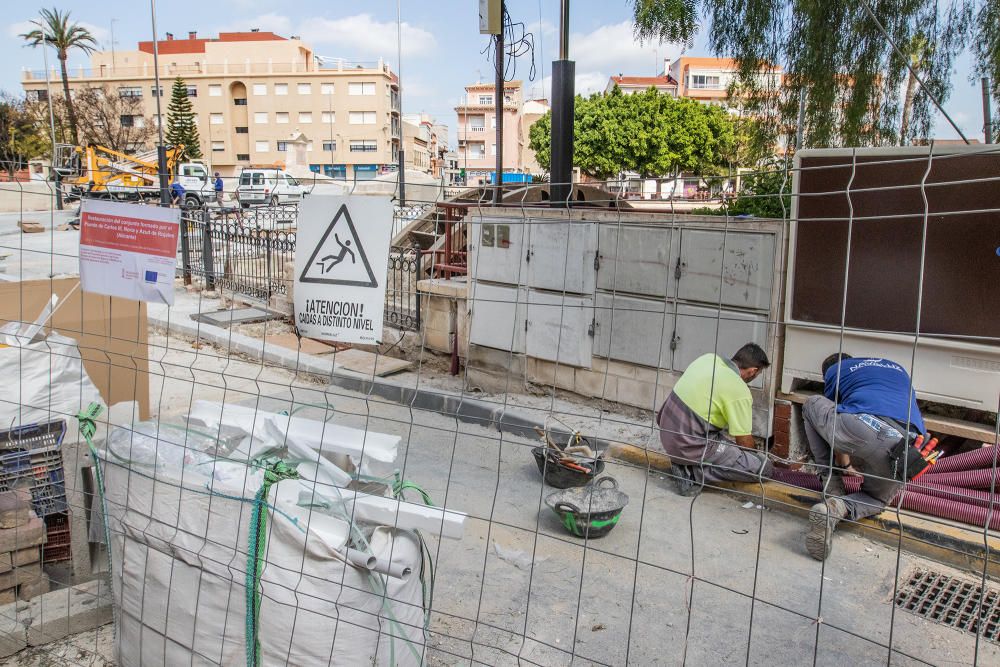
[(176, 192), (867, 407), (218, 189)]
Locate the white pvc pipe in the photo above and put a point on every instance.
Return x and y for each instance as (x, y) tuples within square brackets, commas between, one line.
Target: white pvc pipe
[(361, 559)]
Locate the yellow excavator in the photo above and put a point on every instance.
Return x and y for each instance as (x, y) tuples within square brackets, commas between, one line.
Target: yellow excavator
[(103, 173)]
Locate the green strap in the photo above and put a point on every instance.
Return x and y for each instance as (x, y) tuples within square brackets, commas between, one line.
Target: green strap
[(256, 551), (88, 429)]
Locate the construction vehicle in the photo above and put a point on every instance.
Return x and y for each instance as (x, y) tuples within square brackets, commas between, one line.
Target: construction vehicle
[(99, 172)]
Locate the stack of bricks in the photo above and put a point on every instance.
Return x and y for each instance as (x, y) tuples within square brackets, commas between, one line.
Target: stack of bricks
[(781, 429), (22, 535)]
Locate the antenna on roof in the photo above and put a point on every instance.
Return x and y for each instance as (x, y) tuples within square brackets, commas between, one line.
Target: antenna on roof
[(254, 29)]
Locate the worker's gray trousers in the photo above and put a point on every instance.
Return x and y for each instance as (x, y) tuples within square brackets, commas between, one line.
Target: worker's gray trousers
[(867, 447)]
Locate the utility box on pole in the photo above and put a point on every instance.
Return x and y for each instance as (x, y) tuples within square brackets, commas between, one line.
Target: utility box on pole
[(490, 17)]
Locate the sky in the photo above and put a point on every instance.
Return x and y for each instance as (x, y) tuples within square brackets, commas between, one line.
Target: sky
[(441, 44)]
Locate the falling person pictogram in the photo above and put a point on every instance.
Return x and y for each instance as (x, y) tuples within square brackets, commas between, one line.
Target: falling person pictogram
[(345, 250)]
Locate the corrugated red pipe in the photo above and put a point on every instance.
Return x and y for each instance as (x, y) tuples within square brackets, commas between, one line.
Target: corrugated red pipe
[(977, 458), (950, 509), (970, 479), (968, 496)]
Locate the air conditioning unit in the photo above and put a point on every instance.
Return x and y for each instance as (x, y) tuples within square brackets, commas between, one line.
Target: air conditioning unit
[(895, 253)]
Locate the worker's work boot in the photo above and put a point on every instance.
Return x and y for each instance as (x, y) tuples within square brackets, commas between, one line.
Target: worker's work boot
[(686, 479), (823, 520)]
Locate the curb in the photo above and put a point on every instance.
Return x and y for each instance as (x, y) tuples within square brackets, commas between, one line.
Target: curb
[(938, 539)]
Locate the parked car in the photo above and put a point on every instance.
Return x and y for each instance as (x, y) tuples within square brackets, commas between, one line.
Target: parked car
[(268, 187)]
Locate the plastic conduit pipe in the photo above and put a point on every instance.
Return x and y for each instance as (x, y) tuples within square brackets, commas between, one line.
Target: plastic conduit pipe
[(970, 479), (960, 495), (978, 458), (950, 509)]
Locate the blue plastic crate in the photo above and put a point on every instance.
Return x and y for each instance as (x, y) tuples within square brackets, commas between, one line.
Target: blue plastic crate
[(31, 457)]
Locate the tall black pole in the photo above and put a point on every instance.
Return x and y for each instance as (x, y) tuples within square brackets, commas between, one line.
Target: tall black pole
[(498, 99), (987, 115), (563, 75), (161, 150), (399, 82)]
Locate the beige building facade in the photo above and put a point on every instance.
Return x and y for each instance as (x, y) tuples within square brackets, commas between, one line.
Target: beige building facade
[(251, 91), (477, 147)]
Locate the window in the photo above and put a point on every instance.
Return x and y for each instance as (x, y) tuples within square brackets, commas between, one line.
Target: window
[(37, 95), (242, 130), (493, 149), (282, 146), (281, 89), (214, 90), (704, 81), (240, 101), (493, 122), (243, 157), (477, 123), (305, 117), (329, 145), (152, 91), (128, 120), (361, 118), (157, 120), (262, 146), (329, 117), (192, 91), (309, 146), (486, 99), (219, 146), (304, 89), (215, 119), (260, 89), (361, 88), (281, 117), (364, 145), (130, 91), (326, 88), (260, 117)]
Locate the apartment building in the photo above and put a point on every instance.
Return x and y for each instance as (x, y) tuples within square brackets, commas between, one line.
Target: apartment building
[(252, 90), (531, 111), (477, 123), (703, 79), (426, 143)]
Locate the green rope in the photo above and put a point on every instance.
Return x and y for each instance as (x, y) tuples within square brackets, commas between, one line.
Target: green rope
[(256, 550), (88, 429)]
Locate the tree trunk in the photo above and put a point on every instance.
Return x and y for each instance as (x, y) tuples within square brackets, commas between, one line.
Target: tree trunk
[(69, 100), (904, 126)]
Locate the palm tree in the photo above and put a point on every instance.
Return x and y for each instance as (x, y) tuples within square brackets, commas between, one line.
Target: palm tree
[(57, 30), (920, 50)]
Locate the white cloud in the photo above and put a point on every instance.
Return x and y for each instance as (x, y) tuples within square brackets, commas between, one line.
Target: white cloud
[(613, 49), (362, 35), (21, 27)]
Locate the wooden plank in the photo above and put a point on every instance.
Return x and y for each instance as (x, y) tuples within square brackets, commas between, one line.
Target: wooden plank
[(308, 345), (935, 423), (368, 363)]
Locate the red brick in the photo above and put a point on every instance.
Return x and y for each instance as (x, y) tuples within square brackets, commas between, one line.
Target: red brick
[(782, 409)]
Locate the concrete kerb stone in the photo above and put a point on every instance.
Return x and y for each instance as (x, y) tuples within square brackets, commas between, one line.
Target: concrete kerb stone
[(54, 615), (929, 538)]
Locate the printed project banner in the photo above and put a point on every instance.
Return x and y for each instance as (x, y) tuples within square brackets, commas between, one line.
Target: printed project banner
[(341, 258), (128, 250)]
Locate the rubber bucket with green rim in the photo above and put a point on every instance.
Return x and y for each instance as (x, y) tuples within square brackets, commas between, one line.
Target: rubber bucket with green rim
[(591, 511)]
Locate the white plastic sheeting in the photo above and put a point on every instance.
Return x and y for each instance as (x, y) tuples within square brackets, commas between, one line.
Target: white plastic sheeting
[(180, 509)]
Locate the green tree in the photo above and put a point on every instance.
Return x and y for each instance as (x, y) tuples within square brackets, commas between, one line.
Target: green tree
[(765, 193), (21, 138), (181, 130), (649, 133), (919, 51), (58, 31), (840, 53)]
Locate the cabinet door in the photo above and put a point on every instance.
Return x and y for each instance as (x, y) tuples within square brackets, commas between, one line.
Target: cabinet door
[(559, 328), (745, 261), (498, 317), (646, 264), (701, 329), (561, 256), (633, 329), (498, 248)]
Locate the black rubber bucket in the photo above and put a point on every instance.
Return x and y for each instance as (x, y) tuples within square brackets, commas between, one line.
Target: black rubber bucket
[(591, 512), (559, 476)]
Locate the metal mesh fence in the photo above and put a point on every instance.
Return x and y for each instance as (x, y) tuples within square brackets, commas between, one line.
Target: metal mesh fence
[(252, 496)]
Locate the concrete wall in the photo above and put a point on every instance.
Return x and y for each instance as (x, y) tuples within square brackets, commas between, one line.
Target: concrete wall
[(443, 309), (32, 196)]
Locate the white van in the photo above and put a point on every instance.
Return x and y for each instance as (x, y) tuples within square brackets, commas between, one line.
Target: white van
[(269, 187)]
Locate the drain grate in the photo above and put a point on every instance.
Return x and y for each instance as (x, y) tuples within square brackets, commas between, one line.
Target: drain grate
[(952, 602)]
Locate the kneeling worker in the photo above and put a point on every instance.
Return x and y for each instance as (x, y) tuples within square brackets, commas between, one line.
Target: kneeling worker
[(875, 408), (711, 397)]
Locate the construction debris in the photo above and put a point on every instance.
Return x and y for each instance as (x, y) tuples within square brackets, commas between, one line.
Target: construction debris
[(22, 535)]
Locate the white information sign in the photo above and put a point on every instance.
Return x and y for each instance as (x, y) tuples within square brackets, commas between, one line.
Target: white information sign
[(341, 258), (128, 250)]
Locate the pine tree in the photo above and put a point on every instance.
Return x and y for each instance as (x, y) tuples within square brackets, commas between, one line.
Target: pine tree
[(181, 130)]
